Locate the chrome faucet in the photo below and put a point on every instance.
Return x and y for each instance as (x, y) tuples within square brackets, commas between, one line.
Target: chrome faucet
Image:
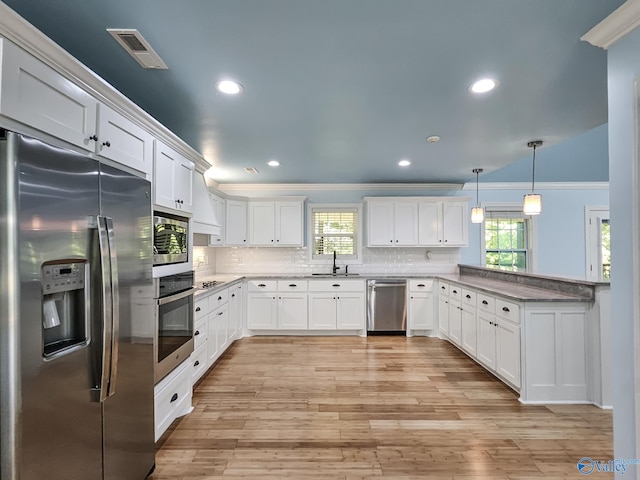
[(335, 269)]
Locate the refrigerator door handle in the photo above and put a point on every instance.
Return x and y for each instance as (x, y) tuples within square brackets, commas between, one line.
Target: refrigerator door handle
[(115, 308), (107, 307)]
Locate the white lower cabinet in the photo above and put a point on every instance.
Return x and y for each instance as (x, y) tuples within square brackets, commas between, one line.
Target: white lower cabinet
[(421, 306), (455, 315), (262, 305), (337, 305), (236, 304), (469, 320), (486, 352), (508, 351), (172, 397), (443, 309)]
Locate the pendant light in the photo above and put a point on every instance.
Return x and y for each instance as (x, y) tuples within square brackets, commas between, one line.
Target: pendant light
[(477, 212), (532, 204)]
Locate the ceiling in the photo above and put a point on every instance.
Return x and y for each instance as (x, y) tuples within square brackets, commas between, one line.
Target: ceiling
[(339, 91)]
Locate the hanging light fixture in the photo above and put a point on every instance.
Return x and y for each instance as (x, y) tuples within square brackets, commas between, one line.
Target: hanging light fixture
[(532, 204), (477, 212)]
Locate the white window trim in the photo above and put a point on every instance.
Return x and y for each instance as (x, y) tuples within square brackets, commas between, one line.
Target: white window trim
[(592, 241), (532, 241), (357, 260)]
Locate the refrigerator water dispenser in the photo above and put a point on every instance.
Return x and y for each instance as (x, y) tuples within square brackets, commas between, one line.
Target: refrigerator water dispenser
[(65, 313)]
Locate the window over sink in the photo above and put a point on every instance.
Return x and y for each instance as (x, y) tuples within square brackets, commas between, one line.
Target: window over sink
[(335, 228)]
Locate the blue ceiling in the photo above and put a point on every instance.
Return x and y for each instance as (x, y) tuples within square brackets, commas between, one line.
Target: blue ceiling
[(340, 90)]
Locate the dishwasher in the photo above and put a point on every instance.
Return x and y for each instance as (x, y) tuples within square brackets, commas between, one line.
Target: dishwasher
[(387, 306)]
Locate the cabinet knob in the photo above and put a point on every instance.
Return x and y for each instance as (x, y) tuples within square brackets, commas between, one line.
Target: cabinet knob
[(106, 144), (93, 137), (455, 291), (196, 363), (440, 241), (468, 296), (219, 298), (443, 287), (484, 302), (233, 295), (196, 333), (174, 398), (219, 313), (198, 309), (272, 240), (505, 309)]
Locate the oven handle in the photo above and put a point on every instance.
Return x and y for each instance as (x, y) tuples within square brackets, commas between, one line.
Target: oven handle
[(177, 296)]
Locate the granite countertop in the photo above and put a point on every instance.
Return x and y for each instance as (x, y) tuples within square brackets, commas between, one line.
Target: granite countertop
[(508, 290)]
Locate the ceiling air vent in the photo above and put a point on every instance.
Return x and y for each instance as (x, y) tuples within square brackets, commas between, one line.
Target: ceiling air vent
[(251, 170), (134, 43)]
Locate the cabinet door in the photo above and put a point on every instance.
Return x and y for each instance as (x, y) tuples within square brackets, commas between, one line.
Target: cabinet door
[(350, 311), (36, 95), (487, 340), (469, 329), (455, 322), (222, 321), (322, 311), (443, 316), (508, 351), (218, 205), (121, 140), (455, 227), (406, 223), (172, 179), (380, 224), (430, 224), (234, 313), (292, 311), (262, 223), (212, 339), (420, 311), (261, 311), (289, 223), (236, 223)]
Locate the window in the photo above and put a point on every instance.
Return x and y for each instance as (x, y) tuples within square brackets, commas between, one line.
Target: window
[(507, 239), (334, 229), (598, 243)]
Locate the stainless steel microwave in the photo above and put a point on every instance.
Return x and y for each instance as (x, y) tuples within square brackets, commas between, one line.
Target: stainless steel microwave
[(170, 239)]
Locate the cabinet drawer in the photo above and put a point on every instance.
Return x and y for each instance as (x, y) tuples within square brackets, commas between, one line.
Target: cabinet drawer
[(218, 299), (172, 397), (508, 310), (468, 297), (262, 285), (292, 285), (199, 333), (455, 292), (198, 363), (421, 285), (486, 303), (443, 288), (336, 285), (201, 308)]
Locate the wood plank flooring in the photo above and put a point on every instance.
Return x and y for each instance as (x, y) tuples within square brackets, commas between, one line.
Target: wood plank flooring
[(350, 408)]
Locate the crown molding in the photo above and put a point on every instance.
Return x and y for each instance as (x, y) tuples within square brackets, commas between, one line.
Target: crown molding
[(20, 32), (307, 187), (620, 22), (539, 186)]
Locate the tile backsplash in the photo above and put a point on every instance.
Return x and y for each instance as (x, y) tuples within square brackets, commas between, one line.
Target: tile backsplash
[(388, 261)]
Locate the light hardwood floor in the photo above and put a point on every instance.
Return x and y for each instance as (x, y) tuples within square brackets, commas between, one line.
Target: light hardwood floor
[(371, 408)]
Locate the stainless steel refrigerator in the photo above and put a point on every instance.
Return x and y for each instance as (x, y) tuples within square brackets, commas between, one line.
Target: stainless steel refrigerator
[(76, 316)]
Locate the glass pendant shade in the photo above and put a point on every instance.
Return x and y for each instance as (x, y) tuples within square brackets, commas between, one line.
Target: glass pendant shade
[(532, 204), (477, 215)]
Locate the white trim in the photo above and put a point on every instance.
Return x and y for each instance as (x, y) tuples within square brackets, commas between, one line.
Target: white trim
[(620, 22), (17, 30), (592, 257), (235, 187), (539, 186), (635, 218), (357, 259)]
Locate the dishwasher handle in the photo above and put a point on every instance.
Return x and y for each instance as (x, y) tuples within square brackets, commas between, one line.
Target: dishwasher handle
[(388, 285)]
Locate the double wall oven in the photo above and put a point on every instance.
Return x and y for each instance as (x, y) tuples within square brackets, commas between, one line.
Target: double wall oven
[(174, 321)]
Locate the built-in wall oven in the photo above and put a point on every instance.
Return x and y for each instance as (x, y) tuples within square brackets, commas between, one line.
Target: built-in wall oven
[(174, 321)]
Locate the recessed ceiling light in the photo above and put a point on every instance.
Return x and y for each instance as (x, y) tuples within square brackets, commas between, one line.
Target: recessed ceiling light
[(273, 163), (229, 87), (483, 85), (404, 163)]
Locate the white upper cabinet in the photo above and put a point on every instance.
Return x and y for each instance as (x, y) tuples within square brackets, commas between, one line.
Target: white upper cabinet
[(218, 205), (392, 223), (236, 223), (443, 223), (172, 179), (416, 221), (36, 95), (122, 141), (277, 223)]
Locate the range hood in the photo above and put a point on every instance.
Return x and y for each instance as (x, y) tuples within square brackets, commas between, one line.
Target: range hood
[(205, 220)]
